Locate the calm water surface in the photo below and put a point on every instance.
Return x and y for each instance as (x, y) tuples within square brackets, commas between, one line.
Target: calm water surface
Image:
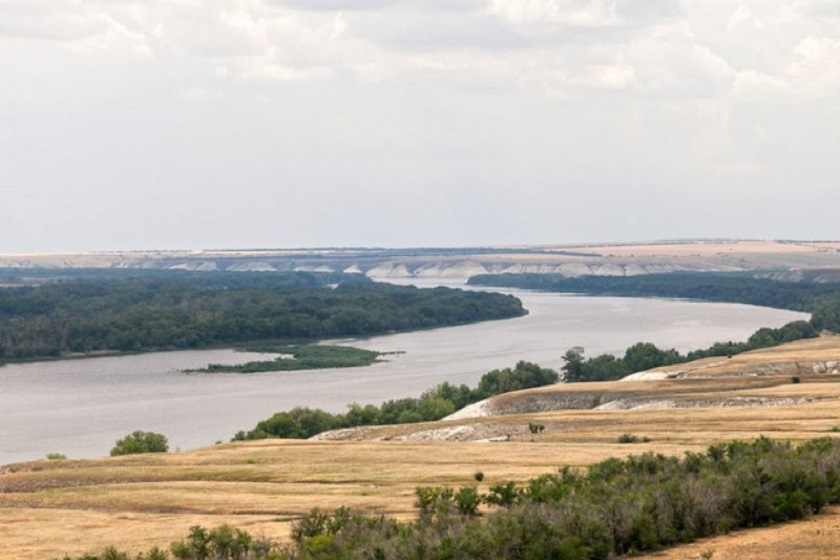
[(81, 407)]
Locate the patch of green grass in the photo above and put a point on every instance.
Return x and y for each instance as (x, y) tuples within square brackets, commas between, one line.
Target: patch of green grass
[(300, 356)]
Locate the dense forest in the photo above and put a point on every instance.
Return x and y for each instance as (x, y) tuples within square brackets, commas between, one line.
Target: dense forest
[(822, 300), (615, 507), (163, 310)]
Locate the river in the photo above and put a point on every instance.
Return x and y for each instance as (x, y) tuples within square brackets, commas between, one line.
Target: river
[(81, 407)]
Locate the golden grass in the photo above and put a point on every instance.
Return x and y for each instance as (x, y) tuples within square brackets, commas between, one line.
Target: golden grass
[(53, 508), (705, 248), (795, 358), (49, 508), (814, 538)]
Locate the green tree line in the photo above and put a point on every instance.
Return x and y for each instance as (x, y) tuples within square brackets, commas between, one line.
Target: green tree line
[(177, 311), (646, 355), (434, 404), (821, 300)]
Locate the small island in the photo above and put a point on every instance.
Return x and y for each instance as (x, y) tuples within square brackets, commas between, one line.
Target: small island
[(298, 357)]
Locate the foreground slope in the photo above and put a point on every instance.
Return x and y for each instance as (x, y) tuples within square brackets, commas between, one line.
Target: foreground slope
[(49, 508)]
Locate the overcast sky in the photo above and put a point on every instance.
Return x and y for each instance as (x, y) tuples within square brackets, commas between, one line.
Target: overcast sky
[(187, 124)]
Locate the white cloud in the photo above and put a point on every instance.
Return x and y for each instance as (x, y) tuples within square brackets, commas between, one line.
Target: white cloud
[(294, 97), (574, 13), (752, 84), (107, 36), (815, 68), (76, 26), (610, 76), (198, 93)]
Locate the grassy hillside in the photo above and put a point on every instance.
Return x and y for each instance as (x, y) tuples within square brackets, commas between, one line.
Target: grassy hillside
[(49, 508)]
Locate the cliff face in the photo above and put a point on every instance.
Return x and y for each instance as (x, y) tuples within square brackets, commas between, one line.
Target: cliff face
[(785, 261)]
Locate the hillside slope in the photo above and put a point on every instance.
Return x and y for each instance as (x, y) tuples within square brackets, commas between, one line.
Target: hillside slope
[(49, 508)]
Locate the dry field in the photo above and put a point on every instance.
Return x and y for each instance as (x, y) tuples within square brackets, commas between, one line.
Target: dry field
[(709, 248), (52, 508), (815, 538), (49, 508)]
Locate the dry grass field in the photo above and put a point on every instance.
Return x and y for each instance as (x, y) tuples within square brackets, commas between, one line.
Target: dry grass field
[(709, 248), (49, 508), (815, 538), (52, 508)]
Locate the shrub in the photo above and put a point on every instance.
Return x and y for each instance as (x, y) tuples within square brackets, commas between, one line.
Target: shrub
[(627, 438), (141, 442), (505, 495), (433, 500), (56, 456), (467, 500), (535, 428), (478, 476)]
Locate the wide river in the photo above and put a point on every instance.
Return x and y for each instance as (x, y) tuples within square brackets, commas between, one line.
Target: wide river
[(81, 407)]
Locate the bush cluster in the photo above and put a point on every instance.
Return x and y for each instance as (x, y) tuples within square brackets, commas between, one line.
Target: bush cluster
[(141, 442)]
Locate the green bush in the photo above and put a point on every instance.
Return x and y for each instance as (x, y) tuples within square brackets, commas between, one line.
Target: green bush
[(141, 442), (467, 500), (535, 428)]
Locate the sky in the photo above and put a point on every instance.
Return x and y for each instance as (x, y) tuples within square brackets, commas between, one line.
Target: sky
[(187, 124)]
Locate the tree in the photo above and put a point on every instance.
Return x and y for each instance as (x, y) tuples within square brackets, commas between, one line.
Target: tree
[(644, 356), (605, 367), (573, 365), (141, 442), (281, 425)]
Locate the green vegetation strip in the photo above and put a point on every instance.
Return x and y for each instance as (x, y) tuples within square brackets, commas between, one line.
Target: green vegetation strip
[(434, 404), (616, 507), (822, 299), (298, 357), (643, 356)]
